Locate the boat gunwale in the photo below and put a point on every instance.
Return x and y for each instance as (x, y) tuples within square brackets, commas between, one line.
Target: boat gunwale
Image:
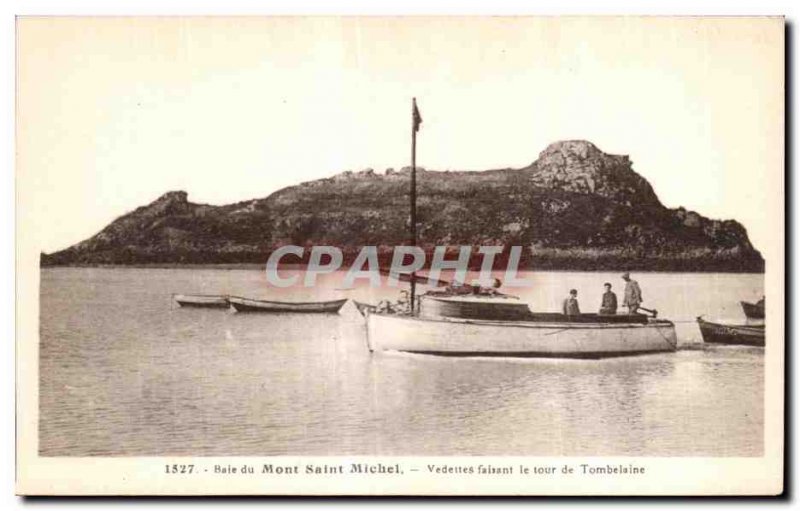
[(183, 295), (507, 299), (750, 329), (752, 304), (532, 324), (586, 355), (240, 299)]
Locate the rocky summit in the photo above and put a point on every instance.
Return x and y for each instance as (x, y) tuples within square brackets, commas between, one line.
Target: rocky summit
[(575, 207)]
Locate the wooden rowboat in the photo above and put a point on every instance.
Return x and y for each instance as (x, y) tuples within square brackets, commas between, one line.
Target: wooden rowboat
[(753, 310), (719, 333), (250, 305), (202, 301)]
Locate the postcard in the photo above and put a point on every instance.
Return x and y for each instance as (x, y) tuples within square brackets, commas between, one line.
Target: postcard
[(400, 255)]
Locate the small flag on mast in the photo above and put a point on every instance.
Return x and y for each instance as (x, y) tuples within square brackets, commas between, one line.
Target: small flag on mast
[(416, 116)]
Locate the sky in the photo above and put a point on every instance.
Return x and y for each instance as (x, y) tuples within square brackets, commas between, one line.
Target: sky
[(114, 112)]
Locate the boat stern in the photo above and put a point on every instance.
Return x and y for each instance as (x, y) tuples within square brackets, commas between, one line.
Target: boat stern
[(666, 329)]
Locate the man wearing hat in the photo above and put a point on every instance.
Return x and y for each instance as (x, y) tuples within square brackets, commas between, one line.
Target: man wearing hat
[(633, 294)]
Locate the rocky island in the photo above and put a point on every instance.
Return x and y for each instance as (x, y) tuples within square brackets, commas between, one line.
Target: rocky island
[(574, 208)]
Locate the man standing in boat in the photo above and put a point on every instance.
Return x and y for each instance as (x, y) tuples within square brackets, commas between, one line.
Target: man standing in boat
[(609, 304), (633, 294), (570, 305)]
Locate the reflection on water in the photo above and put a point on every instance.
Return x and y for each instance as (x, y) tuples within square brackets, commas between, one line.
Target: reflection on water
[(124, 372)]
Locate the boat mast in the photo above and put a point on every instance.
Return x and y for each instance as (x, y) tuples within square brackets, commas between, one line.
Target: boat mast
[(416, 120)]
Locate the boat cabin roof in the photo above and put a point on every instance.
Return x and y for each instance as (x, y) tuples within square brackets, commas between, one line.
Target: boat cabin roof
[(487, 299)]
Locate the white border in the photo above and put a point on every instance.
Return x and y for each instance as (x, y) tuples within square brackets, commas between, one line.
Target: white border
[(198, 7)]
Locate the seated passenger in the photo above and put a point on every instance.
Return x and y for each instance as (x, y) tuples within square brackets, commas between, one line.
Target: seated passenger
[(570, 305), (609, 304)]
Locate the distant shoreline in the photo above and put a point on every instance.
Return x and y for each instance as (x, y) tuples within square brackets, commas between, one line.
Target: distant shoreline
[(261, 267)]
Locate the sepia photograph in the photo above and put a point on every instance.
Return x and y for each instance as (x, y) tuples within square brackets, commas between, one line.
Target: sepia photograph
[(433, 255)]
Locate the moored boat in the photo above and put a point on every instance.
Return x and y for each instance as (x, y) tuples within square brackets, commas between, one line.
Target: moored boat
[(504, 338), (202, 301), (720, 333), (251, 305), (476, 321), (753, 310)]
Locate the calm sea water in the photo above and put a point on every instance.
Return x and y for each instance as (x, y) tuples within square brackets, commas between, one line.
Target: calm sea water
[(126, 373)]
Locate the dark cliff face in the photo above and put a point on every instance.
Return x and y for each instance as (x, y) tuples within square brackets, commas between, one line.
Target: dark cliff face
[(575, 207)]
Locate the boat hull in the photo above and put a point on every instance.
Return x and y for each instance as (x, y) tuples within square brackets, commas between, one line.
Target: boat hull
[(250, 305), (718, 333), (752, 310), (202, 301), (457, 337)]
